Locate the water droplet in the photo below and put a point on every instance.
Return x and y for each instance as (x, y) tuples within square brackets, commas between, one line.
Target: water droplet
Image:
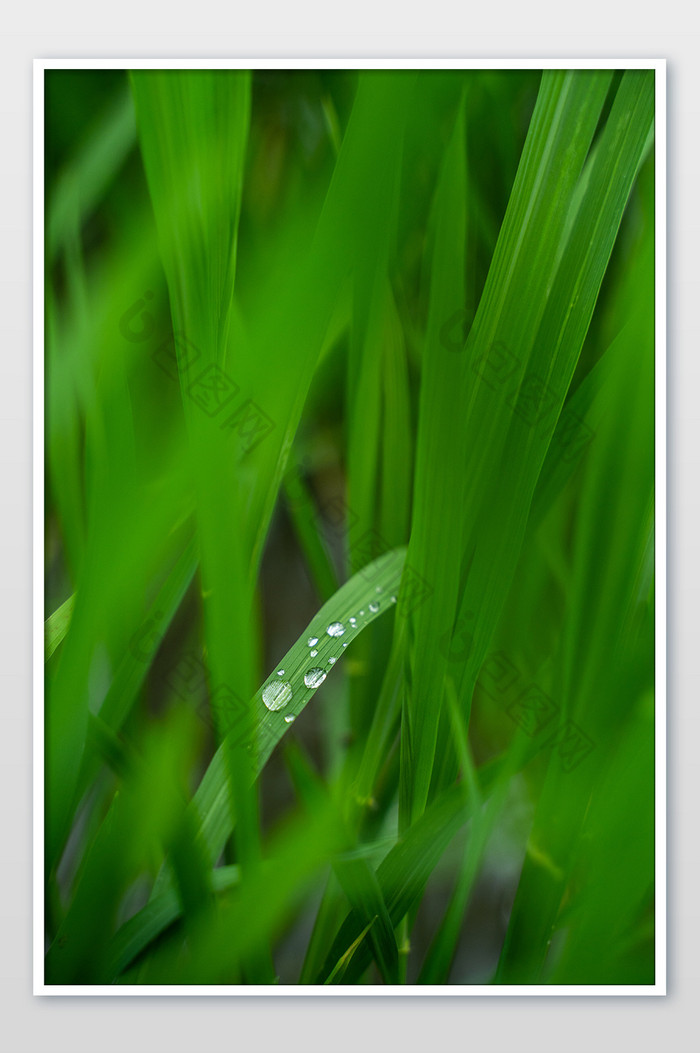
[(393, 599), (374, 607), (362, 614), (280, 672), (312, 641), (353, 622), (345, 644), (290, 718), (313, 653), (277, 694), (378, 588), (314, 677), (331, 661), (335, 629)]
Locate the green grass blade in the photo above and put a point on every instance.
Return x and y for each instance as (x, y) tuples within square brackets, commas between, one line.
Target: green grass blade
[(83, 183), (402, 876), (357, 599), (440, 454), (359, 883), (607, 636), (152, 920), (56, 627)]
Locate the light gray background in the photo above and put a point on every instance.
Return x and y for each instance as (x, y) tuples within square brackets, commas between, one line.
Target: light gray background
[(541, 28)]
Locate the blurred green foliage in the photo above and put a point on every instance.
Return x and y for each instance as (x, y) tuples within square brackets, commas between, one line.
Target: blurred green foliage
[(372, 349)]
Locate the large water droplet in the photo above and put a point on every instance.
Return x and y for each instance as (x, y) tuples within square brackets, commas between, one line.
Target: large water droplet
[(312, 641), (277, 694), (335, 629), (374, 607), (314, 677)]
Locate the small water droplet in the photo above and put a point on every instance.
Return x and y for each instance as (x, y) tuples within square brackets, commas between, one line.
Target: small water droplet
[(345, 644), (331, 661), (313, 653), (277, 694), (374, 607), (312, 641), (393, 599), (290, 718), (362, 614), (335, 629), (378, 589), (353, 622), (314, 677), (280, 672)]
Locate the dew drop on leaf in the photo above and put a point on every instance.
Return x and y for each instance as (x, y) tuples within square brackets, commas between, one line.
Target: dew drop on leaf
[(277, 694), (314, 677)]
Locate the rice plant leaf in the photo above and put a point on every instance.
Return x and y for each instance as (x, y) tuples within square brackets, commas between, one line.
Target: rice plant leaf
[(504, 357), (438, 961), (353, 869), (83, 182), (336, 975), (357, 599), (304, 517), (220, 944), (144, 645), (120, 852), (152, 920), (359, 883), (95, 634), (607, 635), (378, 486), (402, 876), (193, 132), (56, 626), (440, 453), (602, 911), (542, 347), (133, 668), (297, 315)]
